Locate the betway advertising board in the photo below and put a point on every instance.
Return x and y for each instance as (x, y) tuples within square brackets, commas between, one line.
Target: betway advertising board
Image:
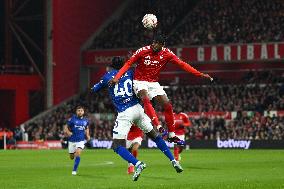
[(206, 144), (196, 54)]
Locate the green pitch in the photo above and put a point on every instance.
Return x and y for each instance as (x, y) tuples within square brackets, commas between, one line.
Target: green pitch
[(104, 169)]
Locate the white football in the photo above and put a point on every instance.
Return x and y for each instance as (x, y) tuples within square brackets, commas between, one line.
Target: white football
[(150, 21)]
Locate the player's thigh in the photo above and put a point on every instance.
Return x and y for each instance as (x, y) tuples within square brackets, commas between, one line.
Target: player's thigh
[(122, 126), (140, 88), (71, 147), (156, 91), (144, 122), (79, 147)]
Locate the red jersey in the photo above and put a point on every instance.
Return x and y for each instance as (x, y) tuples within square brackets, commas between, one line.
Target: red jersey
[(134, 132), (150, 64), (181, 121)]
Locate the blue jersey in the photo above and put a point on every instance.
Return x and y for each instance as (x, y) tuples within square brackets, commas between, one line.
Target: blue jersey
[(121, 94), (77, 126)]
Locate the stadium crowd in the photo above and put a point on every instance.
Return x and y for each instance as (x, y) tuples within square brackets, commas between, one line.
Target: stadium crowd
[(235, 21), (253, 97), (129, 24), (244, 126), (196, 22)]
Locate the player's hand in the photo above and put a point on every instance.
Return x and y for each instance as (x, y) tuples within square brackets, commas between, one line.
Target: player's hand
[(69, 134), (207, 76), (163, 131), (112, 82)]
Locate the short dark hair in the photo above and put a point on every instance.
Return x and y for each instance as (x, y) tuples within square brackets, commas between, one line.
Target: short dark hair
[(160, 39), (117, 62)]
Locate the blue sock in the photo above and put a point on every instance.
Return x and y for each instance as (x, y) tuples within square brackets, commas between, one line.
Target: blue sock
[(161, 144), (126, 155), (76, 163)]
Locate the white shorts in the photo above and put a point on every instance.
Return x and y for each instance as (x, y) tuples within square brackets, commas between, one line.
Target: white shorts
[(72, 146), (181, 137), (133, 115), (129, 143), (153, 88)]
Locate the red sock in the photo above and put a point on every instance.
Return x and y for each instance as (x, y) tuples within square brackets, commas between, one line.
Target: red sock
[(149, 110), (176, 153), (135, 153), (169, 117)]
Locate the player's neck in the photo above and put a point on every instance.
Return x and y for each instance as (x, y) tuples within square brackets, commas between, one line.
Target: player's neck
[(80, 117)]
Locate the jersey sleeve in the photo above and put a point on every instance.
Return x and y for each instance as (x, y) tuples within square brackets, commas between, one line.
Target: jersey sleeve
[(70, 122), (185, 119), (103, 83), (175, 60), (87, 124), (128, 64)]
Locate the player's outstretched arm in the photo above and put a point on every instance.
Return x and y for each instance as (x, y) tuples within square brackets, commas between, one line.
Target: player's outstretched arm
[(98, 86), (189, 68)]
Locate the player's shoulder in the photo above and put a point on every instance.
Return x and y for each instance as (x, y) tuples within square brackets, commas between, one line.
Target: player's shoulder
[(86, 120), (142, 50), (130, 72), (167, 50), (72, 118)]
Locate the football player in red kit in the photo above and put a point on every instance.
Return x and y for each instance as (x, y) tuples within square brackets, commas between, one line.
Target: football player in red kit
[(133, 142), (181, 121), (150, 61)]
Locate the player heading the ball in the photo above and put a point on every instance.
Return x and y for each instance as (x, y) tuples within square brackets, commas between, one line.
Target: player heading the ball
[(150, 61)]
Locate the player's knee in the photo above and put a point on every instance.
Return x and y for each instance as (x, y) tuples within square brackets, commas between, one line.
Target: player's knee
[(162, 100), (117, 143), (143, 94), (135, 146), (78, 152)]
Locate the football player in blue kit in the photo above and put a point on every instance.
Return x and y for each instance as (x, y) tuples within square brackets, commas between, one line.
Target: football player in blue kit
[(130, 112), (76, 129)]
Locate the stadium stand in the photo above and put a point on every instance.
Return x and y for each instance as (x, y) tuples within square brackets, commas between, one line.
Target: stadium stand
[(127, 30), (237, 21), (197, 22)]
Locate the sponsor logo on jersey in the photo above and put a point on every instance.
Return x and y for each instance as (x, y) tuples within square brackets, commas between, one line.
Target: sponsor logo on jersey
[(79, 127), (148, 61)]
